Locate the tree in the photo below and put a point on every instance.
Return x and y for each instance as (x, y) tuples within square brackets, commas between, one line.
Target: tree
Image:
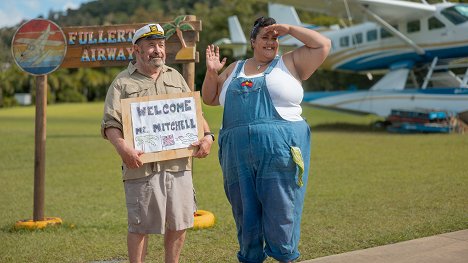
[(178, 26)]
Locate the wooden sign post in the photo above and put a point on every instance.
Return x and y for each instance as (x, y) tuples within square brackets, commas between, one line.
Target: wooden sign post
[(39, 152), (38, 48)]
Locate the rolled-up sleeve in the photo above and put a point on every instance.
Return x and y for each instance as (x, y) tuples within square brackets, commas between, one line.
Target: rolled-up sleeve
[(112, 109)]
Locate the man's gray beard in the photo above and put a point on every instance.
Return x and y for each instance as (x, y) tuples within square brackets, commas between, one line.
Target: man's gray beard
[(157, 62)]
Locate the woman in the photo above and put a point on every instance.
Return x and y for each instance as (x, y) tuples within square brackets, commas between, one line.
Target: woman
[(264, 142)]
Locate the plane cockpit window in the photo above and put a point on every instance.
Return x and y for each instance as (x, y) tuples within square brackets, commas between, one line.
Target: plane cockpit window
[(344, 41), (456, 14), (413, 26), (371, 35), (357, 38), (384, 33), (434, 23)]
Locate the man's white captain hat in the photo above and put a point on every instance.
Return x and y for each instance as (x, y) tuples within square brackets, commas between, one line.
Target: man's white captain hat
[(150, 31)]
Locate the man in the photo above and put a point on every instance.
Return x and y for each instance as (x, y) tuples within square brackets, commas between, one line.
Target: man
[(159, 195)]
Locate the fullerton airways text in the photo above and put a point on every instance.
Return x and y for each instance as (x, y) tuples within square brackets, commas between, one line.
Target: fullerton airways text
[(117, 44)]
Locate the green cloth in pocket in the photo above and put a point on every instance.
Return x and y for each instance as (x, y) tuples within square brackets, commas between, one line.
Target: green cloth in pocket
[(297, 158)]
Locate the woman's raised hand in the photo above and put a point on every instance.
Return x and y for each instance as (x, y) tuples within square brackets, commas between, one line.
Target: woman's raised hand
[(278, 29), (213, 62)]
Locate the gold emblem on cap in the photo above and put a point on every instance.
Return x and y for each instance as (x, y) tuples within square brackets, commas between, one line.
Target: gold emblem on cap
[(153, 31)]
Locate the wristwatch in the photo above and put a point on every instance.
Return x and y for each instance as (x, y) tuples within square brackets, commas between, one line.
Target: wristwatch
[(209, 133)]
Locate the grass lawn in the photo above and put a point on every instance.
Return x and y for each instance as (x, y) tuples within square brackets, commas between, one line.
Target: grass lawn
[(366, 188)]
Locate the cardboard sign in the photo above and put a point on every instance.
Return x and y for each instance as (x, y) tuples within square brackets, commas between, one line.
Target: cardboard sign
[(163, 126)]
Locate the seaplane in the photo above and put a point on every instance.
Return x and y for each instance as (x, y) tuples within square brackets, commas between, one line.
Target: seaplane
[(35, 52), (421, 48)]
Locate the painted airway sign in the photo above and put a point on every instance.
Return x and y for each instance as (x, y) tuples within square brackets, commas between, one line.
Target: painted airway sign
[(39, 47)]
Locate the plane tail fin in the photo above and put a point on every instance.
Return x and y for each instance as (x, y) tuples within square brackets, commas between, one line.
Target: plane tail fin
[(237, 41), (237, 36), (284, 14), (235, 30)]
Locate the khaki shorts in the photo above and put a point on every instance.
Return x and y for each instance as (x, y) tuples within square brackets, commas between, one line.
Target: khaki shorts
[(159, 201)]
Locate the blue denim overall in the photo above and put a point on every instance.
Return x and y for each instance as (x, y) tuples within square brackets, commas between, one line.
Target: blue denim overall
[(261, 180)]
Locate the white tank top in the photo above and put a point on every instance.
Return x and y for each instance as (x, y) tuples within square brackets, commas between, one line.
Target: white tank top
[(286, 92)]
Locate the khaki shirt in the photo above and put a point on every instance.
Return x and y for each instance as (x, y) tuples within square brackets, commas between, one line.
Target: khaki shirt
[(130, 84)]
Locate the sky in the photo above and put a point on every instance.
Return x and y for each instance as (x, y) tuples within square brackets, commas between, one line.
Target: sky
[(14, 11)]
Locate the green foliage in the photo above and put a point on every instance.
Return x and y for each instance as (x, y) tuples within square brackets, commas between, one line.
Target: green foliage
[(169, 31), (186, 27), (13, 80), (6, 36), (317, 19), (326, 80), (179, 19), (9, 102), (70, 95)]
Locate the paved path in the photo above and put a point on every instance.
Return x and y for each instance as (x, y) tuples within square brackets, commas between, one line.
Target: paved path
[(444, 248)]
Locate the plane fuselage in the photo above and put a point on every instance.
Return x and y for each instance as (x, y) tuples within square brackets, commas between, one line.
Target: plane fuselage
[(369, 46)]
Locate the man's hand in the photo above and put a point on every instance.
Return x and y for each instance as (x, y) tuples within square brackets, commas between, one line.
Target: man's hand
[(131, 157), (204, 146)]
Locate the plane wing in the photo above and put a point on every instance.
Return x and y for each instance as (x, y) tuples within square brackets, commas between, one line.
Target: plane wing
[(395, 11), (227, 43), (390, 10), (384, 12), (25, 40), (32, 41)]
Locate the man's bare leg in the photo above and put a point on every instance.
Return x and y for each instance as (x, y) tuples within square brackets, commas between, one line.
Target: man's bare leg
[(145, 246), (137, 244), (173, 243)]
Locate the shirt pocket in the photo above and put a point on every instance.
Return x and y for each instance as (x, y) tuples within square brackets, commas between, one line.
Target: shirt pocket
[(172, 87), (134, 92)]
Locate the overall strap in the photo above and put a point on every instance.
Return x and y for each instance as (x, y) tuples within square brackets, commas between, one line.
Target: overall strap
[(240, 64), (272, 65)]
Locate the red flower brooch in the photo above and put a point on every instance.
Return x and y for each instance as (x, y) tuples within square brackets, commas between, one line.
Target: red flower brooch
[(247, 83)]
